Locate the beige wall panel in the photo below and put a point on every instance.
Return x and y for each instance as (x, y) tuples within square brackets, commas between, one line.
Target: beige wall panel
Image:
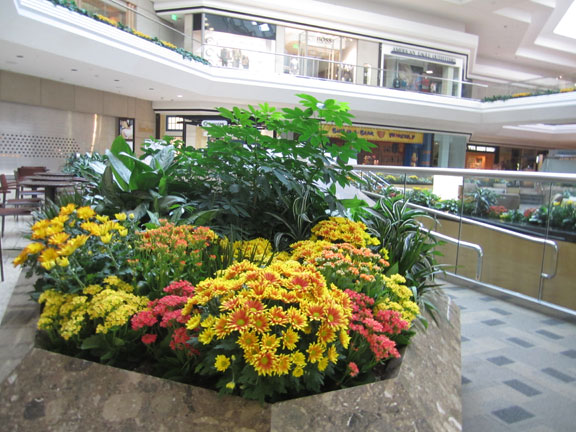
[(33, 135), (513, 263), (130, 107), (88, 100), (561, 289), (55, 94), (115, 105), (20, 88), (145, 122)]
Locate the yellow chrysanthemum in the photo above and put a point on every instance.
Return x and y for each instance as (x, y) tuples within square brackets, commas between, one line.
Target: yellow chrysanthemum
[(67, 209), (298, 372), (194, 321), (62, 261), (85, 213), (221, 363)]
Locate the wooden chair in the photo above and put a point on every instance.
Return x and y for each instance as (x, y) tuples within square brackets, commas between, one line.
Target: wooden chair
[(25, 171), (6, 188), (14, 211)]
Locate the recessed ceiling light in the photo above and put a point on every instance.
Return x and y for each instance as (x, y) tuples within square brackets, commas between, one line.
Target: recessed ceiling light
[(179, 96)]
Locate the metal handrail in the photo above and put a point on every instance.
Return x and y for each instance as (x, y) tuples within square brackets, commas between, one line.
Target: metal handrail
[(477, 248), (466, 172), (446, 215)]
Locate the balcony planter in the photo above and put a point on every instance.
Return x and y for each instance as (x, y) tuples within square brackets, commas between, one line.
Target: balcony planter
[(49, 391)]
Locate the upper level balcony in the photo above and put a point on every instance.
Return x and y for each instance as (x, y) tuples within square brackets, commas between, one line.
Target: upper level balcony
[(136, 53)]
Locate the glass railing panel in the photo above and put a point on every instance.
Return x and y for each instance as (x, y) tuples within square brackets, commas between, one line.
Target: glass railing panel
[(558, 215), (511, 262)]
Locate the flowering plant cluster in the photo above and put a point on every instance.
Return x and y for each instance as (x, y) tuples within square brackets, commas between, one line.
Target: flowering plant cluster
[(281, 322), (77, 248), (95, 319), (173, 252), (340, 230), (345, 265), (373, 330), (265, 326)]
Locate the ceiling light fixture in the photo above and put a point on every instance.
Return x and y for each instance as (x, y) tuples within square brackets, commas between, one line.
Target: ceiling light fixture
[(179, 96)]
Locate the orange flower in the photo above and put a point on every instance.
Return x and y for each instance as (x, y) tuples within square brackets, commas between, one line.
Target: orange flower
[(315, 352), (239, 320), (264, 363)]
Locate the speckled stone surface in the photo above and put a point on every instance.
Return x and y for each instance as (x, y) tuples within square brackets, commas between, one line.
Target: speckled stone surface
[(51, 392), (424, 396)]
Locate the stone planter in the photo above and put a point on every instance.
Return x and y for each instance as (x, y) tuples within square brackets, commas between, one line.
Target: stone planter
[(49, 391)]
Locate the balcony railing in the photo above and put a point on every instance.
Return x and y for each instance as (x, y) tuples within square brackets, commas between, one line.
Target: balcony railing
[(150, 26), (512, 230)]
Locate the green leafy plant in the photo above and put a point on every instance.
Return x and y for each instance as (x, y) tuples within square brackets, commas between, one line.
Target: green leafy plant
[(411, 249), (481, 200), (138, 185), (251, 176), (449, 205), (423, 197)]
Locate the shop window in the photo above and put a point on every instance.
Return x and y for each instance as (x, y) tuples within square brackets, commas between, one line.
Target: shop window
[(237, 43), (320, 55), (174, 123), (239, 26), (421, 71)]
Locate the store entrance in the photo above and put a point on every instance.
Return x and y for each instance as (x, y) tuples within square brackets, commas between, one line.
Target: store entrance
[(313, 54)]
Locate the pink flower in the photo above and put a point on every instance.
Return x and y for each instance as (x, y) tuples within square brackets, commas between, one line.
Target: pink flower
[(143, 319), (182, 288), (149, 338), (179, 339), (353, 367)]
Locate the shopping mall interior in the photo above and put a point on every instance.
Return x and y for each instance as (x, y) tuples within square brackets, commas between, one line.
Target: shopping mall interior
[(483, 91)]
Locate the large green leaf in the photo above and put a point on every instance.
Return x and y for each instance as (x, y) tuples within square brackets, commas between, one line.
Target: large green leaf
[(164, 158), (142, 178), (122, 173), (121, 149)]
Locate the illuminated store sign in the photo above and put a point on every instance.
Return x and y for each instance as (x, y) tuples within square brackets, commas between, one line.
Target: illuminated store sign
[(375, 134), (482, 149), (423, 55)]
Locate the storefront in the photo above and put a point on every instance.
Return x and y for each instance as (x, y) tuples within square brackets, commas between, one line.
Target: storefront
[(421, 70), (270, 47), (392, 147)]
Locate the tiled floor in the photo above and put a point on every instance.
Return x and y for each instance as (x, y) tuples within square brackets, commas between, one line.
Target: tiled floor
[(12, 242), (518, 365)]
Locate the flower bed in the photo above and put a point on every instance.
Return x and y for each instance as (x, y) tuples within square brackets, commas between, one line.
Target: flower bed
[(165, 299), (52, 391)]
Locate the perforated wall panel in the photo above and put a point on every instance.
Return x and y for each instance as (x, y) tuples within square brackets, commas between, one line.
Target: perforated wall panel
[(32, 135), (36, 146)]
